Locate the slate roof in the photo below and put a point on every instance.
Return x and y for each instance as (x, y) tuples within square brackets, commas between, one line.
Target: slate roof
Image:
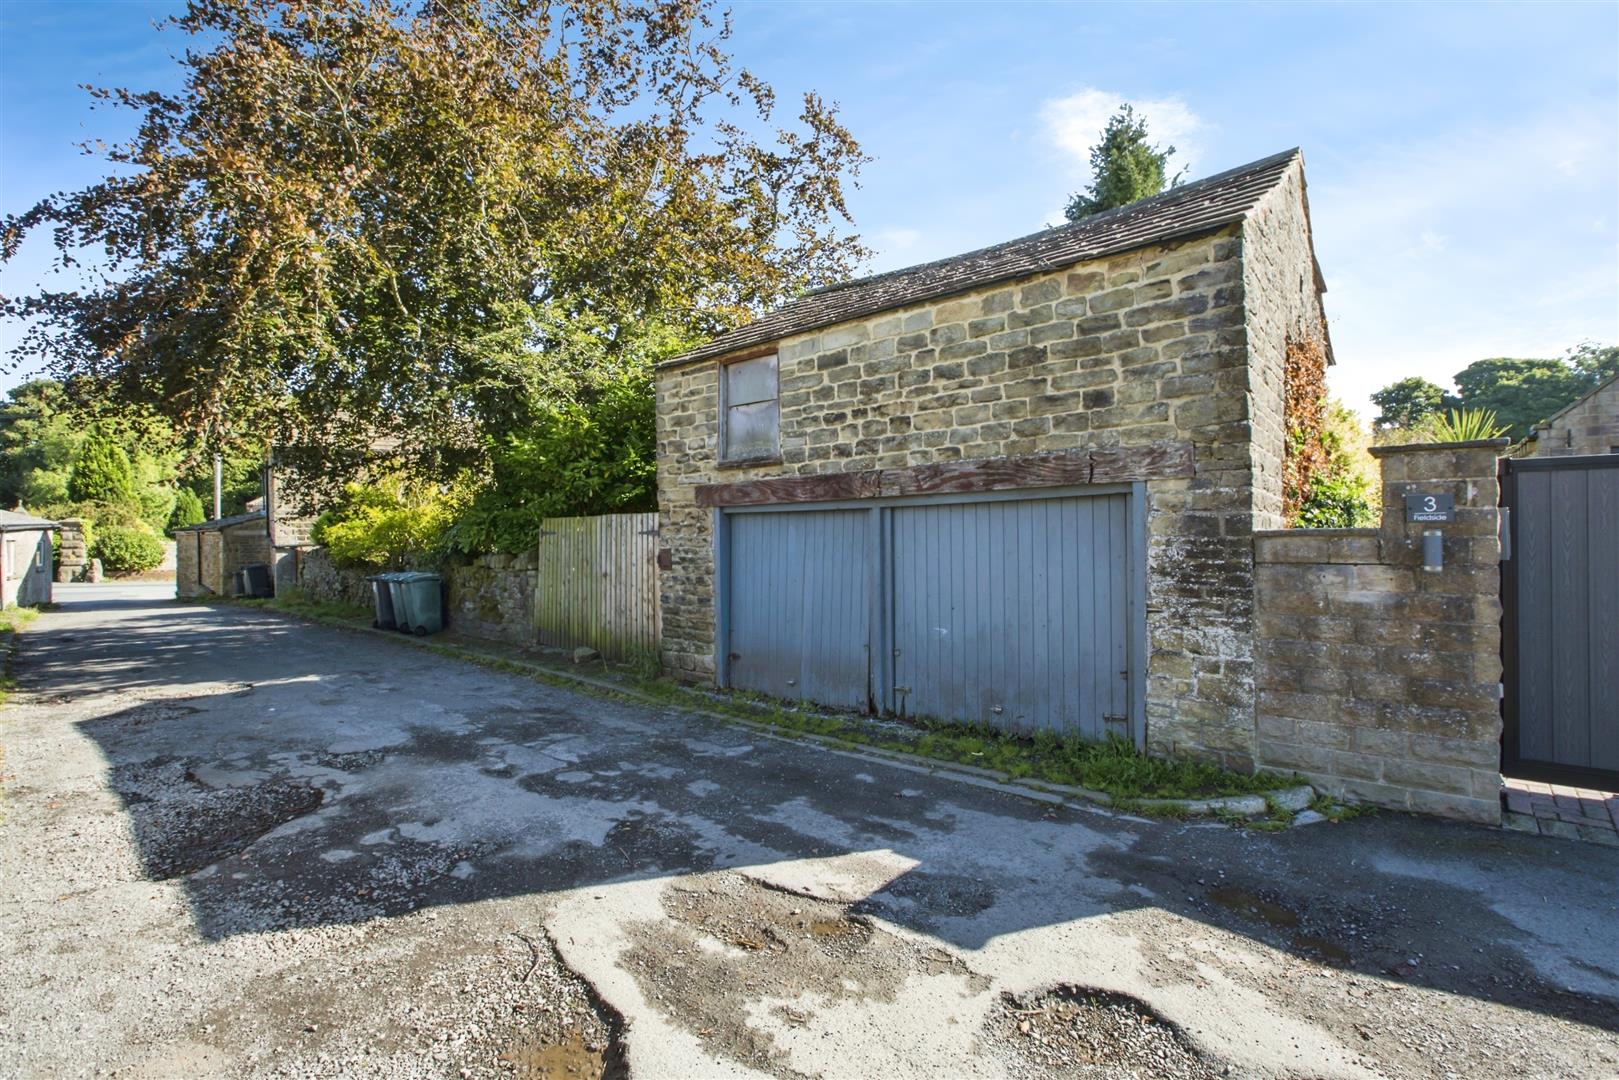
[(224, 522), (1183, 211), (12, 519)]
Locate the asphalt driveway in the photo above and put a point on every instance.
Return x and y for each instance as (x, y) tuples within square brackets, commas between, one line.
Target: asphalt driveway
[(231, 843)]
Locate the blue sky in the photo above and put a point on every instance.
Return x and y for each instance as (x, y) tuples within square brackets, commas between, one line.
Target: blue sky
[(1463, 159)]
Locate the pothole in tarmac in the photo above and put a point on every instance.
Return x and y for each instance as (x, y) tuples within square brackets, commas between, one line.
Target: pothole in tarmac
[(182, 825), (1077, 1032), (736, 960)]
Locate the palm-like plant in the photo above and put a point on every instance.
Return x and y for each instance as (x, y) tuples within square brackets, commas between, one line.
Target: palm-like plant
[(1461, 425)]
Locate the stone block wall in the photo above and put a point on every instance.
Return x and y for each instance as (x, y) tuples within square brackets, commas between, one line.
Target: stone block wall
[(72, 551), (323, 580), (1589, 426), (1147, 346), (246, 543), (1379, 680), (492, 597)]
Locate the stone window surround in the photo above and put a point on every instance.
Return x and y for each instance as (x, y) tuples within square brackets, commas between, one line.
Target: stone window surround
[(725, 460)]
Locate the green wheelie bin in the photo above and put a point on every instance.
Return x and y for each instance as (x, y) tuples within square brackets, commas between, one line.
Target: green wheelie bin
[(395, 585), (424, 607), (382, 597)]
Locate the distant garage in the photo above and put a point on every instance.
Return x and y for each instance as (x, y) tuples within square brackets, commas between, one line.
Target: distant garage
[(1017, 610)]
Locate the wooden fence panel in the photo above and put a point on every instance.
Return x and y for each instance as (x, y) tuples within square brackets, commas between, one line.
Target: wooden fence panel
[(598, 584)]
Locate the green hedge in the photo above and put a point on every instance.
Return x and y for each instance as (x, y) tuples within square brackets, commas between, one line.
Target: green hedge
[(125, 550)]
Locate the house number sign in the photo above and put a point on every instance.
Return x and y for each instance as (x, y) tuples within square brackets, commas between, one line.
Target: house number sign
[(1430, 508)]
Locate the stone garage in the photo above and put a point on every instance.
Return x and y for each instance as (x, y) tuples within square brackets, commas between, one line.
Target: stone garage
[(208, 555), (1016, 487), (25, 572)]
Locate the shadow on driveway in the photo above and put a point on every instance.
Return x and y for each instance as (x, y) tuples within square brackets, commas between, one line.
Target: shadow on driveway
[(295, 776)]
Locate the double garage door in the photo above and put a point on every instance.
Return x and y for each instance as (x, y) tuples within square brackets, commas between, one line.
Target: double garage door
[(1021, 613)]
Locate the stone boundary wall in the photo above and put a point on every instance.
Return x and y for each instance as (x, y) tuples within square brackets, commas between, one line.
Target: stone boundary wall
[(72, 550), (322, 580), (491, 597), (1378, 680)]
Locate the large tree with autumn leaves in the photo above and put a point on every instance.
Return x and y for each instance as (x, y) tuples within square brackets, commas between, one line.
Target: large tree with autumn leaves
[(367, 222)]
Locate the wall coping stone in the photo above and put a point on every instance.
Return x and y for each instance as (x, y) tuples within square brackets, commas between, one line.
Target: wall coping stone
[(1324, 534), (1471, 444)]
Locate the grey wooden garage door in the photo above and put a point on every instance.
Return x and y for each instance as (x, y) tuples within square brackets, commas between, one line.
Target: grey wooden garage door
[(1014, 614), (799, 599)]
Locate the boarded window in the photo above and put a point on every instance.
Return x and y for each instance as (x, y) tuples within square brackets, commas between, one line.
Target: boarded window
[(752, 423)]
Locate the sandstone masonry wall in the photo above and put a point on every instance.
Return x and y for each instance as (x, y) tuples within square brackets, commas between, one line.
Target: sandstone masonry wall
[(493, 597), (1146, 346), (323, 580), (1379, 680)]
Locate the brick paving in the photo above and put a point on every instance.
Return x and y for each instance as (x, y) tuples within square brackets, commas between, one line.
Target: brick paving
[(1574, 813)]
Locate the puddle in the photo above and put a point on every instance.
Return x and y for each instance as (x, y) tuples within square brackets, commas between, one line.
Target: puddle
[(572, 1057), (1317, 948), (1251, 905)]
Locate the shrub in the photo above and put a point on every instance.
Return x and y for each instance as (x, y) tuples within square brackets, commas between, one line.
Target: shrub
[(1338, 501), (156, 507), (384, 524), (126, 550), (187, 510), (594, 456), (101, 473)]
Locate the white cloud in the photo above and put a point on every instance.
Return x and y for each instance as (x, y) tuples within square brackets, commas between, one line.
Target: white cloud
[(1445, 250), (1075, 123), (895, 239)]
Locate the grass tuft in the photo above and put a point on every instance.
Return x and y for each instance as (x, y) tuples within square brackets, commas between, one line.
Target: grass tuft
[(12, 619), (1335, 812)]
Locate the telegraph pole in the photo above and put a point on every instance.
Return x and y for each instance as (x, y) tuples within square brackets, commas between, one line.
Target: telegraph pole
[(219, 486)]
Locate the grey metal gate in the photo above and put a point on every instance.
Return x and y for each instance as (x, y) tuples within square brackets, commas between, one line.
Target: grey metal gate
[(798, 592), (1019, 611), (1560, 592), (1013, 614)]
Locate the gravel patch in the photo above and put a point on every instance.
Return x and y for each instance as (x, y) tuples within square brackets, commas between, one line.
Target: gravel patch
[(1074, 1032)]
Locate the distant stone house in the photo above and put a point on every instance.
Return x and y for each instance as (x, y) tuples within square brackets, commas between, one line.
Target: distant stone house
[(207, 555), (25, 559), (288, 526), (1589, 425), (1015, 487)]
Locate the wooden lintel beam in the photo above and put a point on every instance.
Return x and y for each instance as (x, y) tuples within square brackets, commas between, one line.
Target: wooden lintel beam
[(1064, 468)]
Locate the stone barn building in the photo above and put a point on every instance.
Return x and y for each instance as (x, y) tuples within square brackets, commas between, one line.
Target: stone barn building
[(1016, 487), (1589, 425), (208, 555)]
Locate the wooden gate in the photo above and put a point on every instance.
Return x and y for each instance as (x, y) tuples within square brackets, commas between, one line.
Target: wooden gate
[(1560, 591), (598, 584)]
